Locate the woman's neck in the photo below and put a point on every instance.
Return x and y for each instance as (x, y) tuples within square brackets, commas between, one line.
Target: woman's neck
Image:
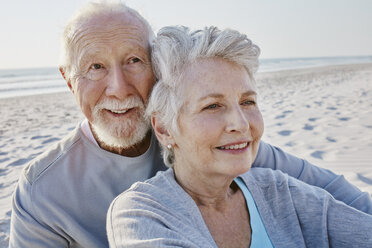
[(222, 205), (207, 190)]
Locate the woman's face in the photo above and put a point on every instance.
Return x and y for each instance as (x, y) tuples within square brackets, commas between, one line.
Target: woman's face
[(220, 123)]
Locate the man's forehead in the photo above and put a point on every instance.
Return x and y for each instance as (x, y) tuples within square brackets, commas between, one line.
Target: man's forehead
[(110, 32), (126, 18), (112, 25)]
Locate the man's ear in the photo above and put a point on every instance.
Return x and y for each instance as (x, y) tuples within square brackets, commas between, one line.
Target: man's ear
[(163, 135), (68, 81)]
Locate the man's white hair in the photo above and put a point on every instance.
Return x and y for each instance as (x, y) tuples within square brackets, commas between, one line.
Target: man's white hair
[(176, 48), (90, 11)]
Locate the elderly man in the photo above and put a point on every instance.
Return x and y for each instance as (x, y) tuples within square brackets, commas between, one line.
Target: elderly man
[(63, 195)]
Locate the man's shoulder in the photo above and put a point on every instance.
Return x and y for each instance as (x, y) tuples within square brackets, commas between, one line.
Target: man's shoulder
[(51, 156)]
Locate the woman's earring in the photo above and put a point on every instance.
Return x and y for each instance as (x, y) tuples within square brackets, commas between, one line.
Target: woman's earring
[(169, 146)]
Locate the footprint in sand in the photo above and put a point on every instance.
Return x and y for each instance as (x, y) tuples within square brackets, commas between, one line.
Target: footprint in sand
[(317, 154), (40, 137), (332, 108), (364, 93), (308, 127), (4, 159), (313, 119), (285, 132), (19, 162), (284, 114), (344, 118), (50, 140), (330, 139), (290, 144), (280, 117), (35, 154), (364, 179)]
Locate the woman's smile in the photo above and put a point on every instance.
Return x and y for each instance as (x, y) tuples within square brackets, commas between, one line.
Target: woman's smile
[(237, 147)]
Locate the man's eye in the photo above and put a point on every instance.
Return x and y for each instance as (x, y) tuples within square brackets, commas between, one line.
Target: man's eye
[(96, 72), (96, 66)]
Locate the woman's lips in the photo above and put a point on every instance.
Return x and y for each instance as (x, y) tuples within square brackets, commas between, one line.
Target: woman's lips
[(234, 147)]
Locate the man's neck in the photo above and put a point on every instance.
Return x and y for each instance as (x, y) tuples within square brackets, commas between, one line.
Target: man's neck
[(132, 151)]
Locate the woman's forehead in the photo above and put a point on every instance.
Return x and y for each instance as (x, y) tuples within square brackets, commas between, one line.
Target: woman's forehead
[(215, 73), (208, 78)]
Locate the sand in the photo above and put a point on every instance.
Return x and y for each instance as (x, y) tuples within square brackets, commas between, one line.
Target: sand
[(321, 114)]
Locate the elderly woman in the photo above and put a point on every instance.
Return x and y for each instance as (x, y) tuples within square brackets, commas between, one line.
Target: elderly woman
[(205, 115)]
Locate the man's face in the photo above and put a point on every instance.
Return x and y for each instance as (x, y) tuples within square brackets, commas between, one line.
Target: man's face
[(114, 78)]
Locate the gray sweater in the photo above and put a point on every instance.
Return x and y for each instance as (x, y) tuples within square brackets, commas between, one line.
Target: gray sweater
[(159, 213), (62, 196)]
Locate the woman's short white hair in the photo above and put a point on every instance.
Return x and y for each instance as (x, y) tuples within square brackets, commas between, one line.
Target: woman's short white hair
[(84, 15), (177, 47)]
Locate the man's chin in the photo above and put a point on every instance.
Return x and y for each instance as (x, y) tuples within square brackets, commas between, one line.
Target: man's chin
[(110, 137)]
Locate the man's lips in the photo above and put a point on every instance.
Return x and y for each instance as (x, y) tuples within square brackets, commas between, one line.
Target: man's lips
[(234, 146), (119, 112)]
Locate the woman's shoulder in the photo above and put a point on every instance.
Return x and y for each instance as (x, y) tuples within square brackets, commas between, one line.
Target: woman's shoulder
[(275, 182), (154, 213), (265, 177), (154, 189)]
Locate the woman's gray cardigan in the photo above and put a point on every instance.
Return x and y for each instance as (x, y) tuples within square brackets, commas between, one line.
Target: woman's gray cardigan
[(159, 213)]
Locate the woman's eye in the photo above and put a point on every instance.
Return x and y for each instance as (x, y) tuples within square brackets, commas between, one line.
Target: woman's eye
[(249, 102), (212, 106), (134, 60)]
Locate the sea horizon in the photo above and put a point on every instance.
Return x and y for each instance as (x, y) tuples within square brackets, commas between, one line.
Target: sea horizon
[(42, 80)]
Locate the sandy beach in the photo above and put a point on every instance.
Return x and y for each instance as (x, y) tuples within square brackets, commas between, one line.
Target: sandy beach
[(321, 114)]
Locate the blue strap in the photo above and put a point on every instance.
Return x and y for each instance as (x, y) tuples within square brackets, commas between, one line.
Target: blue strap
[(260, 238)]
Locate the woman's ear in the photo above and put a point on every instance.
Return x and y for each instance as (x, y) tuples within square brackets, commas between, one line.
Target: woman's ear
[(163, 135)]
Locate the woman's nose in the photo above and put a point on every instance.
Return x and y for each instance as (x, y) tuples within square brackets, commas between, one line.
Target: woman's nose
[(237, 120)]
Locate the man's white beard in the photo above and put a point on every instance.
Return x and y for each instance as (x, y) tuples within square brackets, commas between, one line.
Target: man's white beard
[(125, 133)]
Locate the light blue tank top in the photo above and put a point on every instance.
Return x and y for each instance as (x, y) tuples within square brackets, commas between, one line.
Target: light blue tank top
[(259, 238)]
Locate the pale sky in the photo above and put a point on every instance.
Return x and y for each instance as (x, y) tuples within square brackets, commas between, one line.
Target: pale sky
[(31, 29)]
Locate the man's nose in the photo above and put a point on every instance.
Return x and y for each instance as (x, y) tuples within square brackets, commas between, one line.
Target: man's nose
[(237, 120), (119, 85)]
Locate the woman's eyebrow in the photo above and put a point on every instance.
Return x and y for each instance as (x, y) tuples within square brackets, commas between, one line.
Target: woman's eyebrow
[(218, 95), (249, 93), (212, 95)]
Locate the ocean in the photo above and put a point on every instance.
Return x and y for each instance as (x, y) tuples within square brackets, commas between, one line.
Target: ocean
[(33, 81)]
